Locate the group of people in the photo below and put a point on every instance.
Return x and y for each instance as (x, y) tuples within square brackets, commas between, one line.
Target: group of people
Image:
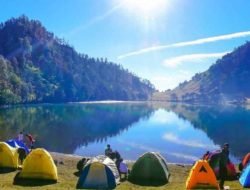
[(28, 139), (123, 168), (115, 155), (224, 159)]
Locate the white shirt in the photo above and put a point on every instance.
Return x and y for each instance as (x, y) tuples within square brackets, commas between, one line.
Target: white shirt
[(20, 137)]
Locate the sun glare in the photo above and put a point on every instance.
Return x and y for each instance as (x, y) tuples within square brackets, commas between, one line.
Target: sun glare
[(145, 8)]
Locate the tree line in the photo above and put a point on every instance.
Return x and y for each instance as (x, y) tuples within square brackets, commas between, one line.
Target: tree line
[(36, 66)]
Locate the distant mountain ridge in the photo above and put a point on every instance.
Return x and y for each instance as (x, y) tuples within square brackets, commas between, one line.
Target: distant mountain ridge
[(228, 80), (36, 66)]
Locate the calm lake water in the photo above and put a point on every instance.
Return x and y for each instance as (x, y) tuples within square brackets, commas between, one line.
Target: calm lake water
[(181, 133)]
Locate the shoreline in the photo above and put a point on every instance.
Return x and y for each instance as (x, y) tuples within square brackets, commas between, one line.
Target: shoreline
[(247, 103), (68, 176), (74, 156)]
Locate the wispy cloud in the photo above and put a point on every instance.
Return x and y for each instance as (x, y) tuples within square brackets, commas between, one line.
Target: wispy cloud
[(187, 43), (190, 143), (175, 61)]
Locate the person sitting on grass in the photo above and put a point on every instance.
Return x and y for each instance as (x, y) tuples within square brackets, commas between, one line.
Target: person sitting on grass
[(109, 151)]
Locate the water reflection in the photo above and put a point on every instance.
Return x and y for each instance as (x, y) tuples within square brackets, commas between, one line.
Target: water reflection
[(163, 132), (221, 124), (182, 133), (63, 128)]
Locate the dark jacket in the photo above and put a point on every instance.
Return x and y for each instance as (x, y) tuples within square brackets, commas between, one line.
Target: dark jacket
[(108, 152), (224, 159)]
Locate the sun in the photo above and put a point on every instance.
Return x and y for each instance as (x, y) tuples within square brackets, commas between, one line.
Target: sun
[(145, 8)]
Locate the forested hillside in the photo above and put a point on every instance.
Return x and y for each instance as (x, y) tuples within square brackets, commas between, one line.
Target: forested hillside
[(36, 66), (225, 81)]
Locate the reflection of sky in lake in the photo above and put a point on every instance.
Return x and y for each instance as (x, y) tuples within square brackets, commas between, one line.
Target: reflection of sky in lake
[(181, 133), (175, 138)]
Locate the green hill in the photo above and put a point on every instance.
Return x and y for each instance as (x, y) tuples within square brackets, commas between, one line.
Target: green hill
[(225, 81), (36, 66)]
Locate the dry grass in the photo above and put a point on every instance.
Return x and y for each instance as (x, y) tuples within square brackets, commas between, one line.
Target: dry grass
[(68, 178)]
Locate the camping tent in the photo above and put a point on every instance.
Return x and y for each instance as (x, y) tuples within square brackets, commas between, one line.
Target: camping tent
[(18, 144), (150, 169), (214, 160), (99, 173), (245, 160), (8, 156), (245, 177), (201, 176), (39, 165)]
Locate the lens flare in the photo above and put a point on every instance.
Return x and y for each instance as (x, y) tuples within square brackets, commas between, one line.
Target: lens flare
[(145, 8)]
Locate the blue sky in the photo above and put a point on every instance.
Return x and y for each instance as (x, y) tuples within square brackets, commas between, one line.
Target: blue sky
[(145, 36)]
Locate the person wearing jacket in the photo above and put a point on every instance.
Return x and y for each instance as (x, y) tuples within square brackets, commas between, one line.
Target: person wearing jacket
[(224, 159)]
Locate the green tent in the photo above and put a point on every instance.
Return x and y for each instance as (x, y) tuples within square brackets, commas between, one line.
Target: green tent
[(150, 169)]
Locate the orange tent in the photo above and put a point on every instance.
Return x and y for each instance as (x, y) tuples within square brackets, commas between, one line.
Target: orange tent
[(246, 160), (201, 176)]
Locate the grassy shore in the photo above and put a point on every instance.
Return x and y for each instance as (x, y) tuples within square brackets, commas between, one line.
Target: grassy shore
[(68, 177)]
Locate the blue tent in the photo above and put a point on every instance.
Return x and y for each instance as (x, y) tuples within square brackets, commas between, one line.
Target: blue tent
[(18, 144), (245, 177), (99, 173)]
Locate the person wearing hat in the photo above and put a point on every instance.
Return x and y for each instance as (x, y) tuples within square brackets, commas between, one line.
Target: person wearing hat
[(224, 158)]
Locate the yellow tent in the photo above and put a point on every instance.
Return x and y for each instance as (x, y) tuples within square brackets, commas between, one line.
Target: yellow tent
[(39, 165), (8, 156), (201, 176)]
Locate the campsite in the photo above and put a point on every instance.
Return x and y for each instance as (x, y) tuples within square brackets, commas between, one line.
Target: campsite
[(62, 170), (68, 177), (44, 170), (125, 94)]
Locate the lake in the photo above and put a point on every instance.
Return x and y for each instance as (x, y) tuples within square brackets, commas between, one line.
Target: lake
[(181, 133)]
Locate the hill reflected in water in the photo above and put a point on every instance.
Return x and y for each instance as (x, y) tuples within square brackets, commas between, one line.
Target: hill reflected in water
[(221, 124), (65, 127), (182, 133)]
